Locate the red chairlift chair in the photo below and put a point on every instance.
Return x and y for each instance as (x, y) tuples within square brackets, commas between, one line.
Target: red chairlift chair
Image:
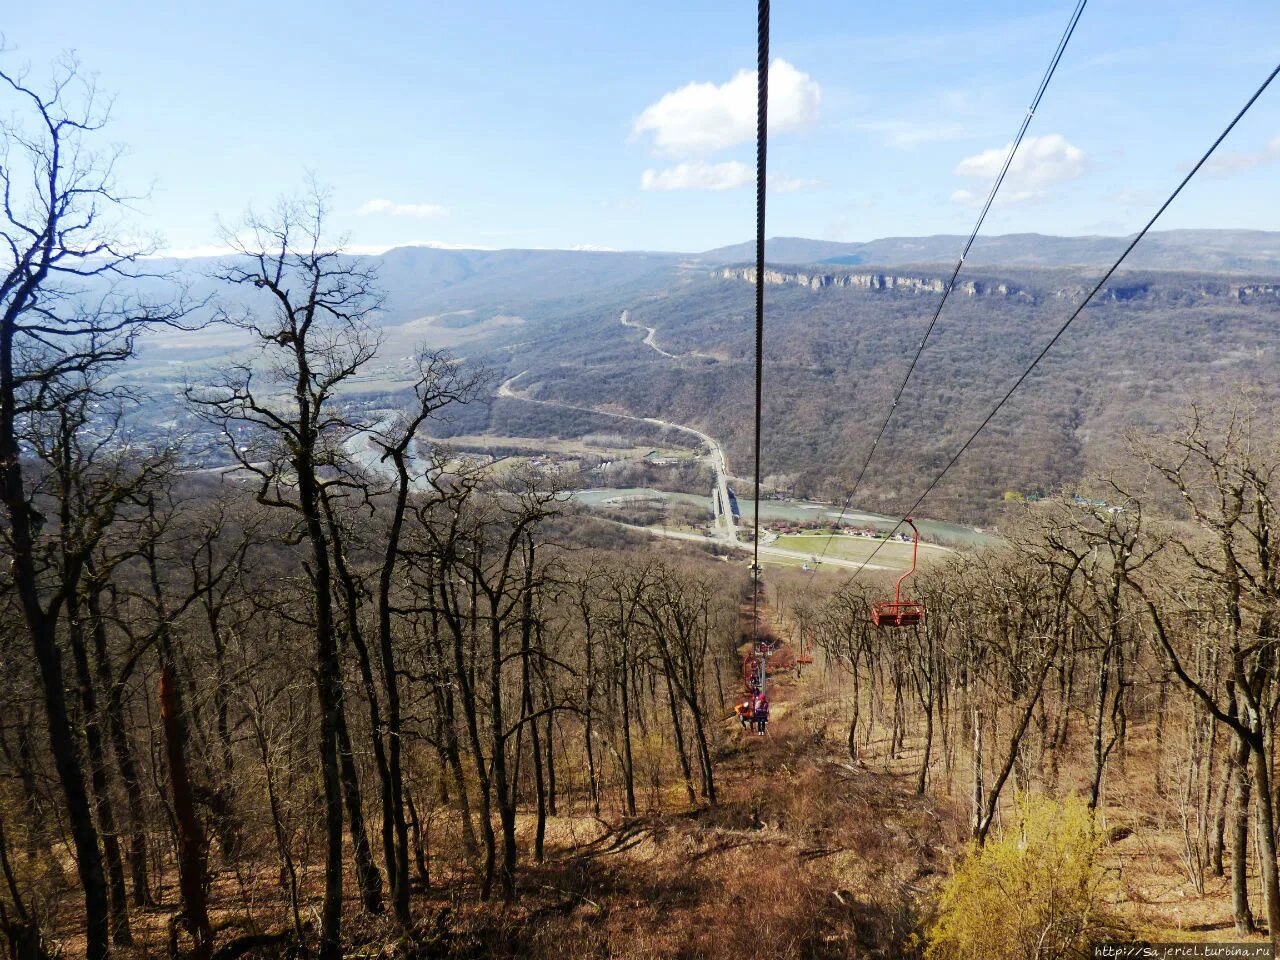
[(805, 657), (899, 612)]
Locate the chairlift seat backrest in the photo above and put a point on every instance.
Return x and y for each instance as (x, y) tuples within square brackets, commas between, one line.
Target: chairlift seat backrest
[(898, 612)]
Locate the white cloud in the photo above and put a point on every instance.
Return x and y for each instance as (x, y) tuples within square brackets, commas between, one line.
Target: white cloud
[(1131, 198), (781, 183), (372, 249), (703, 117), (1225, 164), (908, 134), (699, 176), (1041, 163), (420, 211)]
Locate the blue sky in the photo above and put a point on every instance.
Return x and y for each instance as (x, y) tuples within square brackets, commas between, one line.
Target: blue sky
[(561, 124)]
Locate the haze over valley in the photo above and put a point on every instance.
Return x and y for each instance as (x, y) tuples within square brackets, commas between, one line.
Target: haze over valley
[(662, 335)]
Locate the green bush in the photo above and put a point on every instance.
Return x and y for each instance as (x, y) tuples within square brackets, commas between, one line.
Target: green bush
[(1038, 892)]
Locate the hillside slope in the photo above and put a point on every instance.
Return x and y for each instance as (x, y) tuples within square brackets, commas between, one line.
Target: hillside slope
[(835, 353), (839, 338)]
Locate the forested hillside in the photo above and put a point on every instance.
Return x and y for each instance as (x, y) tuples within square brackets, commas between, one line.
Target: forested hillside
[(835, 354)]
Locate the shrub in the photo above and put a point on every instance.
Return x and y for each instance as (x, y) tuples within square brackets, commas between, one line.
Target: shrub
[(1038, 892)]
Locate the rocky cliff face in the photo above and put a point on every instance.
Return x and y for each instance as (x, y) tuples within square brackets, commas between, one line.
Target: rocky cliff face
[(1176, 288), (870, 280)]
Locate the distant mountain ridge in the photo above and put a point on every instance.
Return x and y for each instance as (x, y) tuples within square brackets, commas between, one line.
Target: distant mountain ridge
[(1208, 251), (423, 280), (1181, 287)]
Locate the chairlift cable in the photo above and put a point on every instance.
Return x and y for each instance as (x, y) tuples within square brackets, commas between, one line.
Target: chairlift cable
[(1075, 313), (762, 137), (964, 253)]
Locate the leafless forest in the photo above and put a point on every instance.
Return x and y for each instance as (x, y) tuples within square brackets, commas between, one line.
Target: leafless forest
[(399, 706)]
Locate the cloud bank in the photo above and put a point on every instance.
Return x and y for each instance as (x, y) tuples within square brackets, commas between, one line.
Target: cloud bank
[(697, 175), (1041, 163), (1225, 164), (700, 118), (418, 211)]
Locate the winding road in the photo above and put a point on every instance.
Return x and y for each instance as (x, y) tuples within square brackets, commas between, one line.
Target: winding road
[(649, 336), (726, 529)]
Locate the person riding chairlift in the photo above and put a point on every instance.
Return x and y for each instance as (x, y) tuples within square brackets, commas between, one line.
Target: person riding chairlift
[(760, 713), (745, 712)]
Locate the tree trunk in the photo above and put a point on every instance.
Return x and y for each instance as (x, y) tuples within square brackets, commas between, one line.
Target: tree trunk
[(501, 785), (979, 792), (1162, 710), (922, 776), (1240, 841), (369, 878), (191, 855), (588, 714), (419, 850), (125, 764), (464, 676), (66, 760), (628, 768), (704, 752), (1219, 844), (288, 869), (399, 876), (549, 741), (329, 688), (367, 875), (857, 709), (99, 789), (1267, 838), (685, 769), (1099, 718)]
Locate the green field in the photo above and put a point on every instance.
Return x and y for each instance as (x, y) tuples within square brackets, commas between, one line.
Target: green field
[(892, 554)]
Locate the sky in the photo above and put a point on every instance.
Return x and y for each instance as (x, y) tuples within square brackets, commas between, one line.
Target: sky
[(627, 125)]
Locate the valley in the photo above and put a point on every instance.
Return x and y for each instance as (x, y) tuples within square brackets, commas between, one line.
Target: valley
[(560, 326)]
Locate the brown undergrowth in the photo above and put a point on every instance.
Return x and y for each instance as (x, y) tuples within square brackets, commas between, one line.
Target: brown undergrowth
[(804, 857)]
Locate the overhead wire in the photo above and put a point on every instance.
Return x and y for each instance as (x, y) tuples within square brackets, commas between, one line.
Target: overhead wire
[(1074, 314), (964, 253), (762, 138)]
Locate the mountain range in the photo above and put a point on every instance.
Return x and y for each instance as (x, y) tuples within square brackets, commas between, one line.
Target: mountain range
[(1217, 251), (1194, 312)]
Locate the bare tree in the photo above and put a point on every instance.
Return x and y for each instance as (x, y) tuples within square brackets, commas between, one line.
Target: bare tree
[(1225, 477), (314, 334), (63, 323)]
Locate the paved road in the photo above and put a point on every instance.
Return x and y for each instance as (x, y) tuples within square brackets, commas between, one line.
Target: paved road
[(715, 453), (726, 529), (651, 333)]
